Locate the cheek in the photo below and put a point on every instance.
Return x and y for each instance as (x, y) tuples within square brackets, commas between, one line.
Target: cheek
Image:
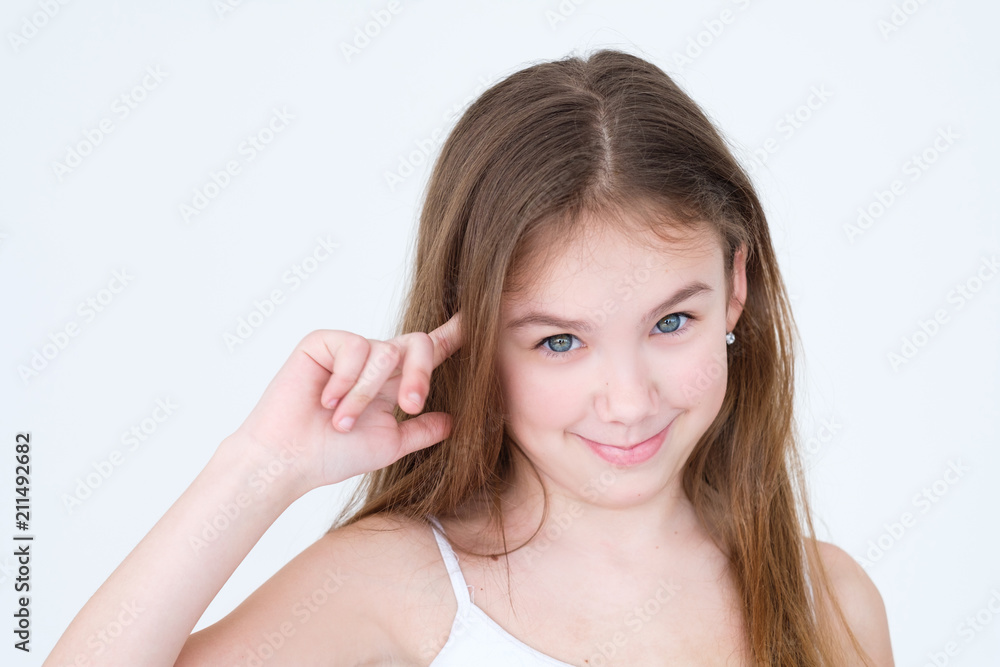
[(699, 378), (535, 395), (535, 400)]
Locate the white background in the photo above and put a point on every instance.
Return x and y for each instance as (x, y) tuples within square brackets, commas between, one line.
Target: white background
[(891, 431)]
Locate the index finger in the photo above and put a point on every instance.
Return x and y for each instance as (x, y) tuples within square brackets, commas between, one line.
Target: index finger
[(447, 338)]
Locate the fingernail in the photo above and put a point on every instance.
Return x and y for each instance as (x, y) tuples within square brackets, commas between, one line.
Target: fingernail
[(346, 423), (414, 397), (332, 403)]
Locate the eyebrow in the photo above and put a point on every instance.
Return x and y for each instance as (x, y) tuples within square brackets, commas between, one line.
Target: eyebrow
[(535, 318)]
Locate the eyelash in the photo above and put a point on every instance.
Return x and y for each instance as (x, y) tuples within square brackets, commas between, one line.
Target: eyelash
[(551, 354)]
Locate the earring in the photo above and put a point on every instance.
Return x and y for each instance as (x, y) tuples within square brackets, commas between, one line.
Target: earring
[(730, 337)]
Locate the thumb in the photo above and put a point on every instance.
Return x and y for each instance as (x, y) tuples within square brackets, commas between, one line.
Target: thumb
[(423, 431)]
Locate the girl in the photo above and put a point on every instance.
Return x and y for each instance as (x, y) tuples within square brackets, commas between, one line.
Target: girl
[(604, 399)]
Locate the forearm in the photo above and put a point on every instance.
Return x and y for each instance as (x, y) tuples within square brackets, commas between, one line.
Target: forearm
[(145, 611)]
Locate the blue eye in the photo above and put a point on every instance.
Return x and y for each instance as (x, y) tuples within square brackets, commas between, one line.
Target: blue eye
[(671, 319), (560, 344)]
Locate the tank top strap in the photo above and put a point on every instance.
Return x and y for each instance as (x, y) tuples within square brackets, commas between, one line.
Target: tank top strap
[(463, 592)]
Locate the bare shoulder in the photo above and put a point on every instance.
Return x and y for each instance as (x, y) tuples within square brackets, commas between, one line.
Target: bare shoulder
[(861, 601), (343, 601)]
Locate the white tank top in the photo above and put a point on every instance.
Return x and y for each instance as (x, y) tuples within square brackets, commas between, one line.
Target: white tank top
[(476, 639)]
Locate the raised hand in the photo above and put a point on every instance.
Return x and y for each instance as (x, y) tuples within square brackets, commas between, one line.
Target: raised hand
[(328, 413)]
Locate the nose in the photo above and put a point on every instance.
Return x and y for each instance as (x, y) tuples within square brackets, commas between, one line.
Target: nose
[(627, 392)]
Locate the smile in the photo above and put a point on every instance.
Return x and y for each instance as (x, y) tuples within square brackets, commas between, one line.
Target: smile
[(631, 455)]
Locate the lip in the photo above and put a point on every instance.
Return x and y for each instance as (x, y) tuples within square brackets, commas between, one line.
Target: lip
[(629, 456)]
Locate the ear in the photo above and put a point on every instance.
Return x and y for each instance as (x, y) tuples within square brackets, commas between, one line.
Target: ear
[(735, 308)]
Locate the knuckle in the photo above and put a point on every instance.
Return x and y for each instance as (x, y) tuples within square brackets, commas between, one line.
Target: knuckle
[(354, 347), (359, 398), (357, 343), (313, 336), (386, 354), (380, 358), (443, 343), (422, 336)]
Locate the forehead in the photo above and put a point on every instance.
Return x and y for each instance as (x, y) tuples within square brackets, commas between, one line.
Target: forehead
[(596, 259)]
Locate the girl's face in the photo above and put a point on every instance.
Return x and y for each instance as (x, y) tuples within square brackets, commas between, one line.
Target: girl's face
[(619, 341)]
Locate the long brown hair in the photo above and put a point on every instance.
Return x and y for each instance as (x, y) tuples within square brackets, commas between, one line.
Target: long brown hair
[(608, 135)]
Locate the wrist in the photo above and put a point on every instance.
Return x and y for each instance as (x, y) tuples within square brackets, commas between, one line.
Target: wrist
[(268, 475)]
